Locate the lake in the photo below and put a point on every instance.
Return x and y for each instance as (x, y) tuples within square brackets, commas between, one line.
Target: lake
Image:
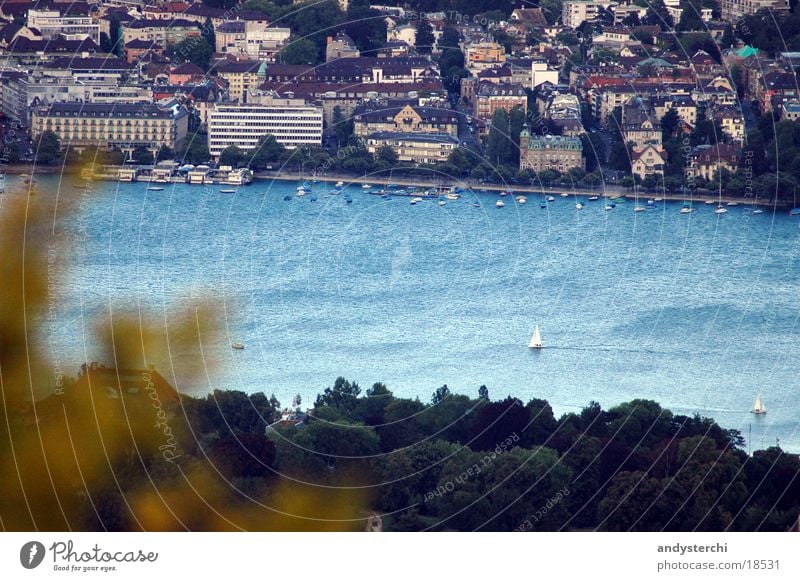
[(698, 312)]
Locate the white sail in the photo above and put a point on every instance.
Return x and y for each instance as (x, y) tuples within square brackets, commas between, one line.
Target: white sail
[(536, 339), (758, 406)]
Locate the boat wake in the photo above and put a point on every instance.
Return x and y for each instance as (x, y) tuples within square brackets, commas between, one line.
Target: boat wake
[(618, 349)]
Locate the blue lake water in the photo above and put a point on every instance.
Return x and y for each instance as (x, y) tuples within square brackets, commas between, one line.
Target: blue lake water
[(699, 312)]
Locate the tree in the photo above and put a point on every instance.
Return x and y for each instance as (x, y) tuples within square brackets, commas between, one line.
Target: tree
[(728, 37), (194, 49), (232, 156), (483, 393), (208, 33), (658, 15), (142, 156), (165, 152), (440, 394), (244, 456), (48, 147), (386, 157), (268, 150), (367, 27), (11, 153), (690, 18), (342, 395), (552, 9), (498, 145), (424, 37), (516, 123), (669, 124), (299, 51), (195, 149), (342, 126), (632, 20)]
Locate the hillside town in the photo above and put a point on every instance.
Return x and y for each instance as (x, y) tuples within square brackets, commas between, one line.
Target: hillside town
[(670, 94)]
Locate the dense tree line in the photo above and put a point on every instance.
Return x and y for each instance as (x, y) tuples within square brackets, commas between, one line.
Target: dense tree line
[(462, 463)]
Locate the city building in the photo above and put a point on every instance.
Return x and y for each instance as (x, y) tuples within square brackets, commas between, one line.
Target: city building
[(489, 97), (64, 20), (647, 161), (550, 152), (125, 127), (639, 125), (242, 77), (160, 32), (375, 117), (706, 161), (291, 121), (541, 73), (428, 148), (734, 10), (484, 55), (341, 47), (576, 12)]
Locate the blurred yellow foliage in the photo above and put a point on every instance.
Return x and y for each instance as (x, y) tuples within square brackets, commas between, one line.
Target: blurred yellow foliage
[(101, 453)]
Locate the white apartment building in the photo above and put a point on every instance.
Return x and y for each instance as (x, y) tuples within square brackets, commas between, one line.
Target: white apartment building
[(576, 12), (733, 10), (72, 27), (541, 73), (291, 121)]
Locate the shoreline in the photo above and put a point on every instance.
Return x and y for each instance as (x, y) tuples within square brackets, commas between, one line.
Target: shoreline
[(603, 190)]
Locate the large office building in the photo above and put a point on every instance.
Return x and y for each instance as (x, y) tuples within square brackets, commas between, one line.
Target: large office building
[(291, 121), (126, 127)]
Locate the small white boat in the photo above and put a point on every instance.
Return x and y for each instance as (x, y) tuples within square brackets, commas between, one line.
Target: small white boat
[(639, 209), (594, 198), (536, 339), (758, 407), (339, 184), (522, 200), (565, 195), (500, 204), (551, 199), (658, 199), (608, 208), (227, 191), (442, 202), (366, 186), (687, 210), (721, 210), (237, 345), (651, 202), (709, 202), (579, 206), (732, 204), (452, 196), (155, 189), (757, 211)]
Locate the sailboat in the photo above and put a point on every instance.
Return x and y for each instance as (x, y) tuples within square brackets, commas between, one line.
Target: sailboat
[(758, 407), (536, 339)]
